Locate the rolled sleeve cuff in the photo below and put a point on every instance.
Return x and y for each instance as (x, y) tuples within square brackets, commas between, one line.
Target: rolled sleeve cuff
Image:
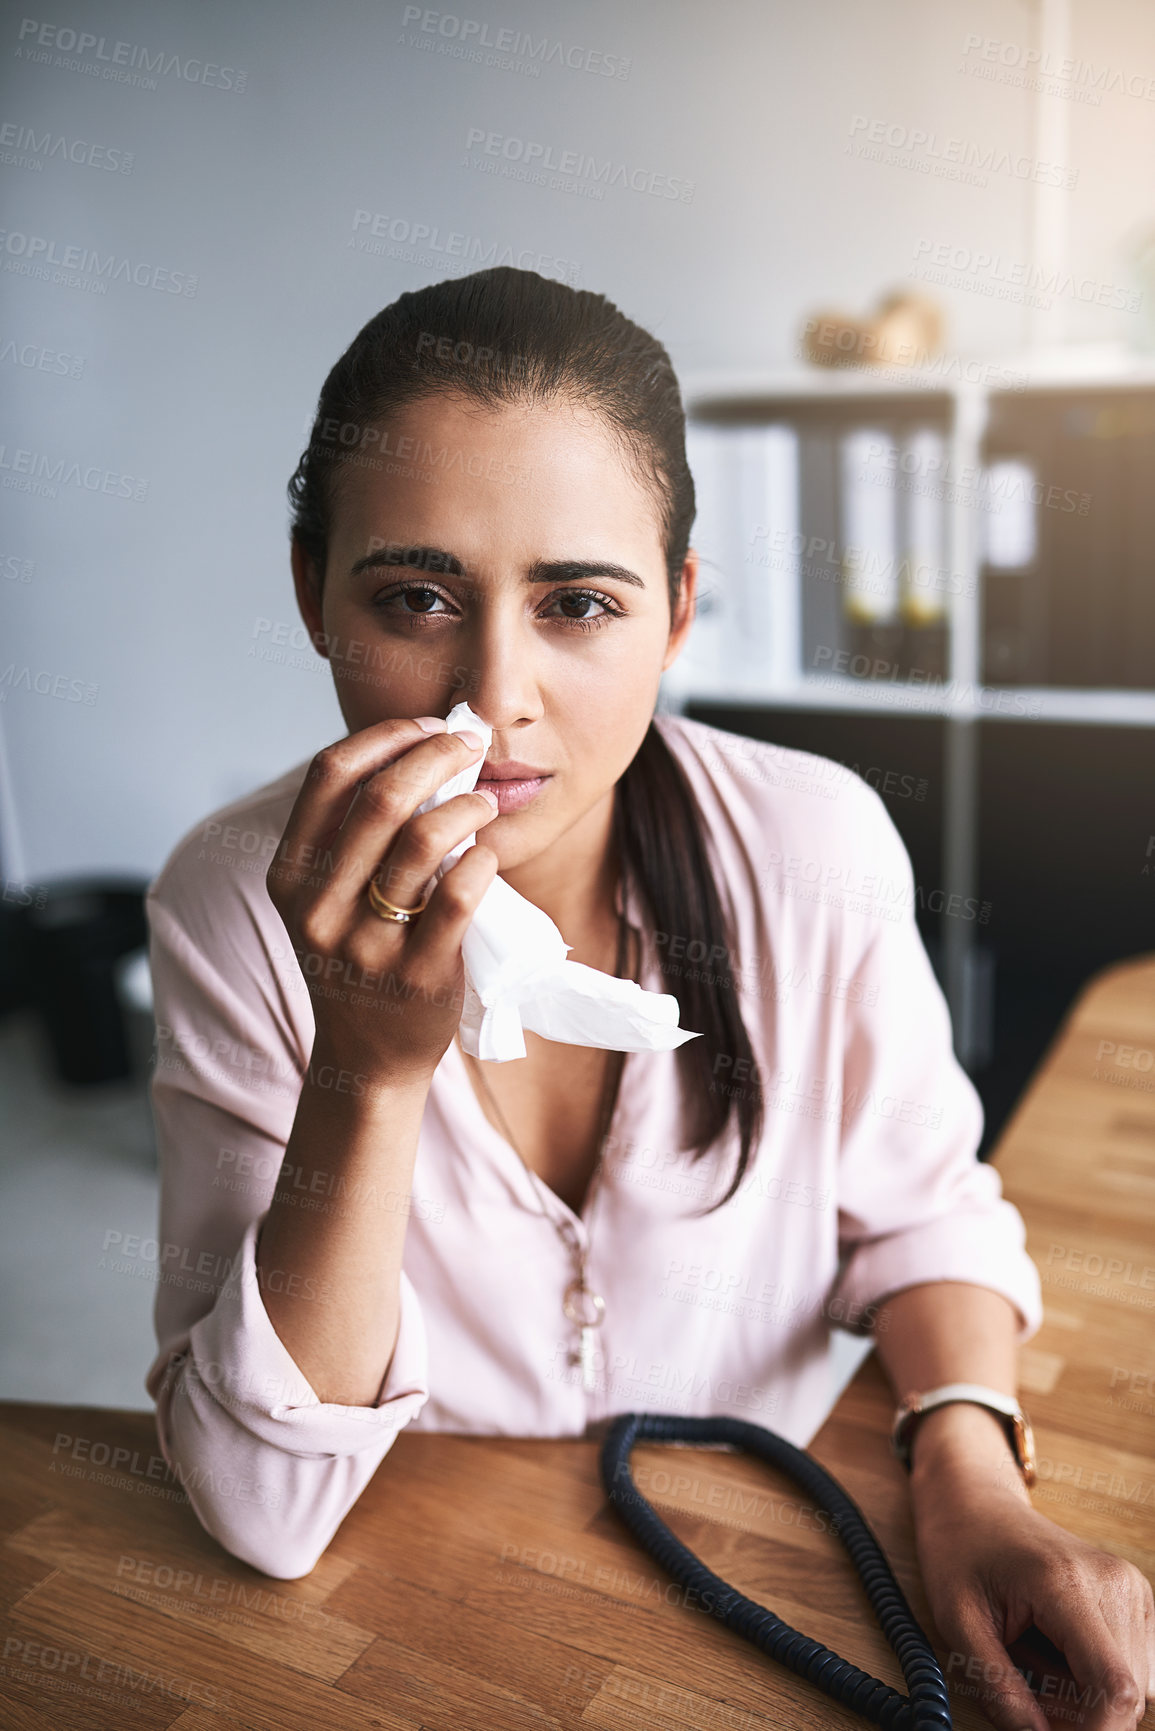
[(241, 1361), (984, 1248)]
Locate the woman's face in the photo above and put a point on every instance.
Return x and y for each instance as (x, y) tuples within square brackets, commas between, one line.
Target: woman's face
[(512, 560)]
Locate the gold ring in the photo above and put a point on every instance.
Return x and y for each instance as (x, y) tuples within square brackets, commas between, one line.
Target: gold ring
[(389, 910)]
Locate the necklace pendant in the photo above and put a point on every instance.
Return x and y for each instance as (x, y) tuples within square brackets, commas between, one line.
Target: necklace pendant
[(586, 1358), (577, 1289)]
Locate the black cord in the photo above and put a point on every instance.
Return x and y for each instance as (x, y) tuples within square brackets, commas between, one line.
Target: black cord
[(927, 1705)]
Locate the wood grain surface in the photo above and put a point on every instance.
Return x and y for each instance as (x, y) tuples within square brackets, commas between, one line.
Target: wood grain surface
[(485, 1583)]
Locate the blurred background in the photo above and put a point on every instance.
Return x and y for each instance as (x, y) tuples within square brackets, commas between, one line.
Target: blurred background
[(903, 258)]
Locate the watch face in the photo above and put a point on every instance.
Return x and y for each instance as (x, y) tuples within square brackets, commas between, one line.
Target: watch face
[(1016, 1424), (903, 1423), (1025, 1448)]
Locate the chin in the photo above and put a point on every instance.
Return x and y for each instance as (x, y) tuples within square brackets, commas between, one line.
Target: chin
[(516, 839), (511, 841)]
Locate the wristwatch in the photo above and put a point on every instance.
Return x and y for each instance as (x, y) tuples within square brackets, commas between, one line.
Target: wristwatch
[(1014, 1420)]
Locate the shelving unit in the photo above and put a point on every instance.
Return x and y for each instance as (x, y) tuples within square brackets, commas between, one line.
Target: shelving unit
[(760, 451)]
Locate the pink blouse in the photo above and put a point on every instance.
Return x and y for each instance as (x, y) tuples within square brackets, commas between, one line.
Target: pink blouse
[(865, 1179)]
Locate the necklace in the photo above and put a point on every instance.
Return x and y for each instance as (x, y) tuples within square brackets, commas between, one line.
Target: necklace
[(580, 1303)]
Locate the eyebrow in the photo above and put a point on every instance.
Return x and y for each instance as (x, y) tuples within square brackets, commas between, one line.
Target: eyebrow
[(430, 559)]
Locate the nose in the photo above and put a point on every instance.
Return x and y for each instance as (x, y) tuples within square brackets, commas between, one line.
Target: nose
[(503, 686)]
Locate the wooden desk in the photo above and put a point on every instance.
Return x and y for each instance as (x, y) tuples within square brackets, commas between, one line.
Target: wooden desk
[(485, 1583)]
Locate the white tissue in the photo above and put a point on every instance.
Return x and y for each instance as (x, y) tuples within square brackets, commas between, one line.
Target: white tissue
[(517, 975)]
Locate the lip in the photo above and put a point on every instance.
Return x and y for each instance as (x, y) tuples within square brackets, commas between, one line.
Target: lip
[(513, 784), (511, 771)]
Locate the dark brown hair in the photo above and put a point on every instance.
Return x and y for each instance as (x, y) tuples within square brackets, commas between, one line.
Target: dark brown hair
[(508, 336)]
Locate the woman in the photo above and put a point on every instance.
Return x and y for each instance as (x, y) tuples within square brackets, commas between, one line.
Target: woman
[(364, 1228)]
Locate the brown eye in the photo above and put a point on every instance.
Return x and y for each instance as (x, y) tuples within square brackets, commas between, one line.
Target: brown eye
[(412, 601), (421, 600), (574, 605)]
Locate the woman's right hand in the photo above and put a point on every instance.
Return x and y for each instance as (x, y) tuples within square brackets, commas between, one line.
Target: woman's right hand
[(387, 996)]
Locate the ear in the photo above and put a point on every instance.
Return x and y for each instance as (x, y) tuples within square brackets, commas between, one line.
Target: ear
[(685, 610), (307, 583)]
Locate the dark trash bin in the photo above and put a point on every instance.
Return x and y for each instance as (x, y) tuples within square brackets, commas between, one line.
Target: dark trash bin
[(77, 930), (15, 900)]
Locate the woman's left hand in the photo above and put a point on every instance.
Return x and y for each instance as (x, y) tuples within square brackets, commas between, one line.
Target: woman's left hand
[(992, 1566)]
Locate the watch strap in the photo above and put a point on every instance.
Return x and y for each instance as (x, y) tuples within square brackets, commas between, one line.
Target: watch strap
[(1005, 1407)]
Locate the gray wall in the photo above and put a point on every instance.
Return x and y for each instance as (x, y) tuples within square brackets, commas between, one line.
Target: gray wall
[(131, 700)]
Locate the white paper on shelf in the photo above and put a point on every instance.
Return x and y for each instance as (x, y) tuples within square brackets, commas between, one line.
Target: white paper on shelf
[(767, 649), (1011, 533), (747, 636), (699, 668), (870, 522), (517, 975), (924, 579)]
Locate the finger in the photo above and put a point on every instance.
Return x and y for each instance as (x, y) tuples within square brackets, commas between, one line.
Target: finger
[(384, 805), (329, 787), (438, 932), (1110, 1695), (423, 842), (1128, 1619), (982, 1671), (1141, 1626)]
